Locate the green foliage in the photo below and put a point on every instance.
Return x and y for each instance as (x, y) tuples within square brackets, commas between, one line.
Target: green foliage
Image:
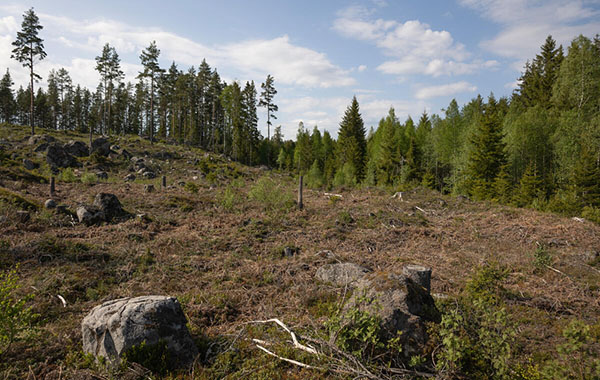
[(89, 178), (15, 317), (314, 178), (591, 214), (542, 257), (352, 146), (231, 196), (191, 187), (577, 356), (272, 196), (17, 200), (476, 335), (530, 186), (155, 357), (346, 176), (356, 330), (67, 175)]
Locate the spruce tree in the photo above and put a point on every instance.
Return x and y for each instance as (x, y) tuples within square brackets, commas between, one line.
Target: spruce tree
[(266, 100), (531, 186), (586, 178), (7, 99), (486, 154), (28, 49), (352, 145)]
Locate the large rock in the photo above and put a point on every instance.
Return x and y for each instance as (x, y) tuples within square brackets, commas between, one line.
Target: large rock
[(402, 303), (58, 157), (101, 146), (109, 204), (40, 139), (341, 274), (113, 327), (106, 208), (77, 148)]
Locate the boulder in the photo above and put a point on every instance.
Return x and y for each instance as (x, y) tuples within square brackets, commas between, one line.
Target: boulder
[(90, 215), (148, 174), (77, 148), (341, 274), (28, 164), (40, 139), (101, 146), (50, 204), (109, 204), (58, 157), (114, 327), (402, 303)]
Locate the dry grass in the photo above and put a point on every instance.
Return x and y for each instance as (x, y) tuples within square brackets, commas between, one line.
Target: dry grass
[(227, 267)]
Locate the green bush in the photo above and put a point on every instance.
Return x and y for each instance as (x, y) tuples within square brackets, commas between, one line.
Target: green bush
[(476, 335), (231, 196), (15, 317), (89, 178), (591, 213), (542, 257), (67, 175), (155, 357), (191, 187), (271, 195)]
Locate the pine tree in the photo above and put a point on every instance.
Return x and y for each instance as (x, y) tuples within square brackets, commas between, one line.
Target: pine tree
[(266, 100), (109, 66), (586, 178), (28, 49), (64, 86), (352, 145), (152, 70), (7, 99)]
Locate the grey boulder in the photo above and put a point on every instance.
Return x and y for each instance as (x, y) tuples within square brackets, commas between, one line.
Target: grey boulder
[(77, 148), (58, 157), (341, 274), (112, 328)]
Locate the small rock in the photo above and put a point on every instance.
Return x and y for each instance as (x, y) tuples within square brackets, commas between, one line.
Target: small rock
[(290, 251), (3, 218), (28, 164), (102, 175), (50, 204), (125, 154), (129, 177), (62, 209), (149, 188), (149, 174), (89, 215), (326, 254), (115, 147)]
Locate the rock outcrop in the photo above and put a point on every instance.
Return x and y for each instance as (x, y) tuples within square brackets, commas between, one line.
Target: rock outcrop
[(114, 327), (106, 208), (58, 157)]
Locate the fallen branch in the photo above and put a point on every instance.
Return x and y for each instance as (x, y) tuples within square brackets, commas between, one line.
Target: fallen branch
[(298, 345), (300, 364), (61, 298), (332, 195)]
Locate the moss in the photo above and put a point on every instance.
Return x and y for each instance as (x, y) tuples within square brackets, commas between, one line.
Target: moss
[(18, 200)]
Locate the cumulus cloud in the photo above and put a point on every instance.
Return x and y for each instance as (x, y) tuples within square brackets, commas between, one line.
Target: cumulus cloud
[(444, 90), (527, 23), (414, 47), (289, 63)]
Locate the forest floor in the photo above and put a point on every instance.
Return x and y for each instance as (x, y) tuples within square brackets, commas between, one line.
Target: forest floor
[(204, 241)]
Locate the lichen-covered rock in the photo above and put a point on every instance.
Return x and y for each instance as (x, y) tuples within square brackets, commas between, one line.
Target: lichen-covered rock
[(77, 148), (402, 303), (109, 204), (341, 274), (114, 327)]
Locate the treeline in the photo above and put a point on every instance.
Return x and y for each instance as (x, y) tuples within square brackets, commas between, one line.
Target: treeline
[(193, 107), (540, 147)]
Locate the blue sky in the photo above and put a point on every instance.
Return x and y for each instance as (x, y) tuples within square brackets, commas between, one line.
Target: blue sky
[(412, 55)]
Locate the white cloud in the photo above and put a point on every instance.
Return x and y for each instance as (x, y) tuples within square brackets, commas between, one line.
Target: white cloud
[(527, 23), (290, 64), (415, 48), (361, 68), (444, 90)]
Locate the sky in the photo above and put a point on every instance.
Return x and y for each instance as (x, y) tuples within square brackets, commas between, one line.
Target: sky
[(415, 56)]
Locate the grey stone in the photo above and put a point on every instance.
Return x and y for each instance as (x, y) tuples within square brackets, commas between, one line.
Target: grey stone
[(101, 146), (77, 148), (50, 203), (28, 164), (149, 174), (341, 274), (109, 204), (58, 157), (402, 303), (129, 177), (89, 215), (149, 188), (41, 148), (101, 175), (290, 251), (112, 328), (38, 139)]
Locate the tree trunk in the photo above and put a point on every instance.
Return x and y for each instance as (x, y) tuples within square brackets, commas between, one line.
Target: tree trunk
[(31, 104), (151, 107)]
